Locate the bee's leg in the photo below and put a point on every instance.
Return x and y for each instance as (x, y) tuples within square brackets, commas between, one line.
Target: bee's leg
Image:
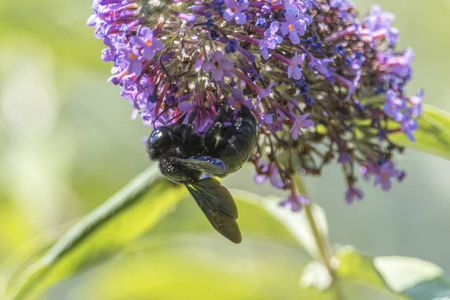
[(188, 130), (215, 129), (192, 117), (191, 141)]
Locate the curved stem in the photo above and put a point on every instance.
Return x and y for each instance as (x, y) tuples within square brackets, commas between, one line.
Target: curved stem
[(321, 241)]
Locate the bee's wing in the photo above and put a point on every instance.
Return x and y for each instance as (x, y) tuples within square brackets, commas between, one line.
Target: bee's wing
[(218, 206), (204, 164)]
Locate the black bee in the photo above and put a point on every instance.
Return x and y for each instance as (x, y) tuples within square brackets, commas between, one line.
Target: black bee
[(189, 158)]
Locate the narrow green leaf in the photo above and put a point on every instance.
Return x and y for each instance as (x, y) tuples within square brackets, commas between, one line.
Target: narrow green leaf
[(122, 218), (433, 134)]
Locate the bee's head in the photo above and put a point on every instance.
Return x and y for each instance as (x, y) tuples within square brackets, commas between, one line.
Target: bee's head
[(159, 142)]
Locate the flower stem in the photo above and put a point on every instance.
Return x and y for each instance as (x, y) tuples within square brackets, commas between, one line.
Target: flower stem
[(321, 241)]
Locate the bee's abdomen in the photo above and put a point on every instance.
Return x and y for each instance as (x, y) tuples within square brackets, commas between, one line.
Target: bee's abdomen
[(237, 145)]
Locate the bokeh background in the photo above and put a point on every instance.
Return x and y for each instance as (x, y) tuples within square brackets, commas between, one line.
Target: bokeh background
[(67, 143)]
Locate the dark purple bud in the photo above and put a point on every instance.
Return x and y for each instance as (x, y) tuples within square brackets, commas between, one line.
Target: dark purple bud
[(231, 46)]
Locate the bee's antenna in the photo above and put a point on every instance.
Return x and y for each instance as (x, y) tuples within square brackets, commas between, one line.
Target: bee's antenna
[(174, 117), (165, 110), (171, 77)]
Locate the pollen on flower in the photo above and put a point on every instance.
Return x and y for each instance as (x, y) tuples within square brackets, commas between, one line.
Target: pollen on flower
[(305, 68)]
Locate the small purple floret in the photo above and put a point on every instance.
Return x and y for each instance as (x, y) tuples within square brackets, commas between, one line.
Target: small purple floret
[(295, 202), (219, 65)]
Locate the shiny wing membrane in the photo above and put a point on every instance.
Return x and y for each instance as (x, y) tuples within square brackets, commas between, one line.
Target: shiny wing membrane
[(218, 206), (204, 164)]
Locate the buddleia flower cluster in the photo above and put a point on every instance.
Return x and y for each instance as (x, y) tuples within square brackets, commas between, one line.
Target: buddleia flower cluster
[(323, 84)]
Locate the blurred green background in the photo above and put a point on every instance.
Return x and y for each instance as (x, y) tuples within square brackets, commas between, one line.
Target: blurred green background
[(67, 143)]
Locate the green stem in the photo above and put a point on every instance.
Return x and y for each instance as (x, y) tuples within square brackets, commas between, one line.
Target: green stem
[(321, 241)]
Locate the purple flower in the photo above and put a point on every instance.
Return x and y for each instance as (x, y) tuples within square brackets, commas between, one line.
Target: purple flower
[(320, 65), (295, 67), (149, 45), (232, 46), (379, 24), (237, 99), (260, 20), (393, 105), (264, 92), (416, 102), (274, 122), (260, 91), (262, 168), (377, 19), (395, 69), (409, 126), (385, 173), (294, 25), (109, 54), (132, 59), (350, 84), (346, 59), (295, 202), (342, 5), (357, 60), (200, 59), (268, 171), (271, 40), (234, 11), (402, 62), (146, 87), (368, 169), (352, 193), (186, 17), (219, 65), (302, 121)]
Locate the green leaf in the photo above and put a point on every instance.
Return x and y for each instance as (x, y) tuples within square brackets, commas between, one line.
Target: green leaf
[(187, 259), (357, 277), (433, 134), (296, 223), (122, 218), (255, 222), (356, 290), (434, 289), (183, 257), (195, 266), (414, 277), (358, 267)]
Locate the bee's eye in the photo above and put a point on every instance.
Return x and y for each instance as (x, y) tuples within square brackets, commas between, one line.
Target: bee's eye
[(156, 135)]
